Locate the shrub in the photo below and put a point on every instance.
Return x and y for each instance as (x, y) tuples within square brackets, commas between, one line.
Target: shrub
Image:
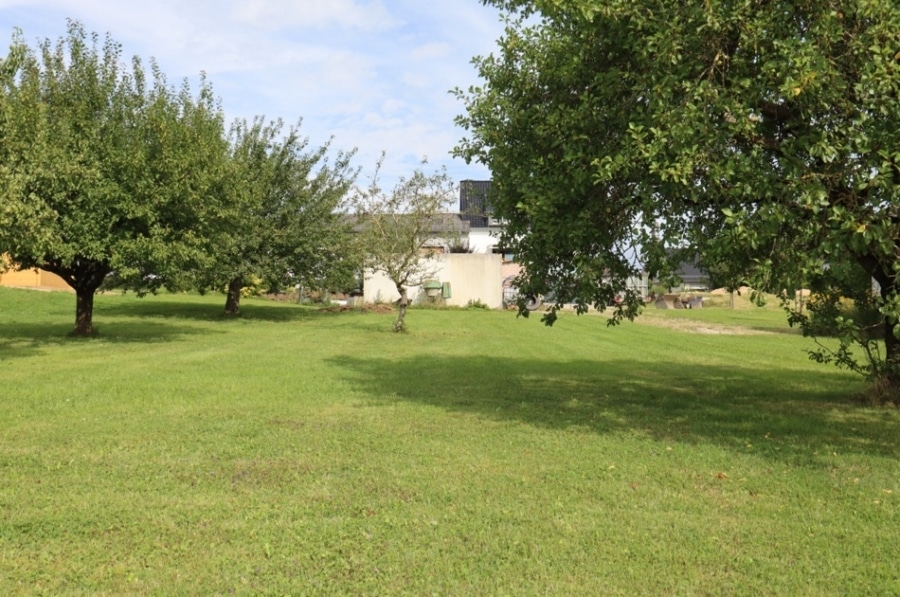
[(476, 304)]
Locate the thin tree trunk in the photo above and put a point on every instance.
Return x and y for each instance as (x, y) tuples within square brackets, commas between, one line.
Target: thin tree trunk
[(84, 311), (892, 354), (233, 296), (400, 324), (890, 382)]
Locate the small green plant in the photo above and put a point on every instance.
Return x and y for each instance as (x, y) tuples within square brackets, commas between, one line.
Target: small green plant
[(658, 289), (477, 304)]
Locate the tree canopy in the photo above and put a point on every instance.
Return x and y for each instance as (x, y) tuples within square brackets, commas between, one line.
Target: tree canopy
[(763, 135), (102, 167), (394, 227), (283, 225)]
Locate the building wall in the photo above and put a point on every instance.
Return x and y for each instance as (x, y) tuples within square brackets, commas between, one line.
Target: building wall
[(472, 277), (483, 240), (33, 278)]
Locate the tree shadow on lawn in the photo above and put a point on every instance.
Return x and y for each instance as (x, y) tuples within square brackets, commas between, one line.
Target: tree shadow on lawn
[(19, 340), (206, 311), (784, 414)]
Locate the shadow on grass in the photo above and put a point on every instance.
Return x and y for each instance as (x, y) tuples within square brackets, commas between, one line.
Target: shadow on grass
[(207, 311), (143, 321), (782, 414), (19, 340)]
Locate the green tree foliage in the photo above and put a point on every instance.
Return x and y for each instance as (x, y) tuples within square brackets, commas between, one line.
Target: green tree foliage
[(843, 303), (102, 167), (765, 135), (284, 226), (394, 229)]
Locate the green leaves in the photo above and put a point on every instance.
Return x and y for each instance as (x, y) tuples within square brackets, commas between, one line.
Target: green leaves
[(279, 213), (764, 137), (100, 171), (398, 231)]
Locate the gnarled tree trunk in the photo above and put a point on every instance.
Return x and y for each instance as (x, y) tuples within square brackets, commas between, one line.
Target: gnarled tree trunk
[(891, 376), (888, 384), (84, 276)]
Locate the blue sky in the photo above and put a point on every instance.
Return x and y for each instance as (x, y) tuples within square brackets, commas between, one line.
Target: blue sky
[(374, 74)]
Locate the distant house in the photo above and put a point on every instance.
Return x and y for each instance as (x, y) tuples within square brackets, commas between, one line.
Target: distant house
[(484, 233), (445, 233), (462, 248), (692, 277), (475, 208)]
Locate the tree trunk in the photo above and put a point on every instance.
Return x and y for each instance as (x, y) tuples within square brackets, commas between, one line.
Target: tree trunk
[(84, 311), (890, 381), (84, 276), (892, 354), (400, 324), (233, 298)]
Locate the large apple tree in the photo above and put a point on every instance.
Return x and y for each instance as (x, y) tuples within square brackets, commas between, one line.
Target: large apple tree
[(104, 167), (284, 225), (763, 135)]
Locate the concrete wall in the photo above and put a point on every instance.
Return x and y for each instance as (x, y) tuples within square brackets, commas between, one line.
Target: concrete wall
[(472, 277)]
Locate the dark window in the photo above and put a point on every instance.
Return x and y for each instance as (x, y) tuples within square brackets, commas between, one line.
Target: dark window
[(474, 202)]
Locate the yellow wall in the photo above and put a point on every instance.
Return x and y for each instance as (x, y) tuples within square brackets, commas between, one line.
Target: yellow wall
[(32, 278)]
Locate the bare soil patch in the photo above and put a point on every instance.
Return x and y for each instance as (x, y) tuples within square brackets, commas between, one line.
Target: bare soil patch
[(369, 308), (699, 327)]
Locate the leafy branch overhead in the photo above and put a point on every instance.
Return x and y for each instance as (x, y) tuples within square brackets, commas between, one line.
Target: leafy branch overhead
[(762, 136)]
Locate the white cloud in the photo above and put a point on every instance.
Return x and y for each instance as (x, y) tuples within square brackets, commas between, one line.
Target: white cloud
[(375, 74), (281, 14), (432, 51)]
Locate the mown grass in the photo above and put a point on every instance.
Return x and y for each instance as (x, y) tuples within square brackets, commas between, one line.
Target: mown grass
[(295, 451)]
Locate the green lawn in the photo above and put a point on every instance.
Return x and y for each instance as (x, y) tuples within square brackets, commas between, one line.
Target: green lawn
[(295, 451)]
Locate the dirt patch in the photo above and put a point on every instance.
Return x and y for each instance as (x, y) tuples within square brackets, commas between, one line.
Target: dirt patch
[(698, 327), (374, 308), (282, 297)]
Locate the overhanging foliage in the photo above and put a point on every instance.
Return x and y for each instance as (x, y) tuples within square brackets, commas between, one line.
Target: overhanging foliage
[(763, 135)]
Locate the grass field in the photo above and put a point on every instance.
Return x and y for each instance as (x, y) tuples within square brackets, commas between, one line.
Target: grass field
[(296, 451)]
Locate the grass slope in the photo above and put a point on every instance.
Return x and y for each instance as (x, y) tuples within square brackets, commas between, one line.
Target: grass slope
[(310, 452)]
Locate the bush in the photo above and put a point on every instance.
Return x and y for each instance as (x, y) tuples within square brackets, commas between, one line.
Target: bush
[(828, 310), (476, 304), (845, 304)]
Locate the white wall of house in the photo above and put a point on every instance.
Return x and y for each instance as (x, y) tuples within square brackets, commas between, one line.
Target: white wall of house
[(483, 240), (472, 277)]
